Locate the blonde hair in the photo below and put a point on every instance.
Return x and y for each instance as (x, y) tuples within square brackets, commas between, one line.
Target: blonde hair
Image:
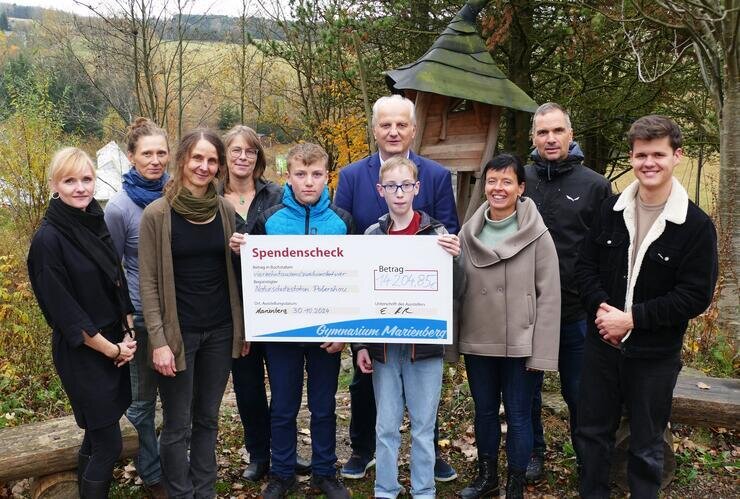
[(308, 153), (69, 161), (397, 162), (251, 137)]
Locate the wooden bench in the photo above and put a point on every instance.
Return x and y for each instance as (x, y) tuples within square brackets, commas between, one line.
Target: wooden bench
[(47, 451), (717, 404)]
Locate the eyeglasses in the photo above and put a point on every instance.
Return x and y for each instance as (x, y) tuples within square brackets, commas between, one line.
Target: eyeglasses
[(393, 188), (237, 151)]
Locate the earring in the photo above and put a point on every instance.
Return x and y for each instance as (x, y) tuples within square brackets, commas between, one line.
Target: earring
[(54, 195)]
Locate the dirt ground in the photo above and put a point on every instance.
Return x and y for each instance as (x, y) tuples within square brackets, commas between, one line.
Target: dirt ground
[(708, 460)]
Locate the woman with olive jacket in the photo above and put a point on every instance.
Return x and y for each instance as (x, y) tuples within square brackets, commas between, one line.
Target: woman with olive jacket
[(192, 311), (508, 321)]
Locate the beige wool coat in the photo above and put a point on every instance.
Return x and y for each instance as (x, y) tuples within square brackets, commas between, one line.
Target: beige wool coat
[(510, 306), (157, 280)]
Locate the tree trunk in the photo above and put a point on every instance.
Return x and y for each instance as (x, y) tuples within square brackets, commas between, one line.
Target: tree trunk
[(520, 73), (729, 303)]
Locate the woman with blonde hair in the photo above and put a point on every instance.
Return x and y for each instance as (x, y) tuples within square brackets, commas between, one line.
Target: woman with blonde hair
[(78, 281), (192, 310)]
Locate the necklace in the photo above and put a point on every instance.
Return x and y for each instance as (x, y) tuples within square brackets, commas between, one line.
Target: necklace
[(241, 199)]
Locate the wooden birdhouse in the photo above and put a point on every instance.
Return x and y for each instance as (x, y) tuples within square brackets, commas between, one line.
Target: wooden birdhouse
[(459, 94)]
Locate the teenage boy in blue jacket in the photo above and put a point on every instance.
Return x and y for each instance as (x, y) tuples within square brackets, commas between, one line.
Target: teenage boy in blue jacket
[(306, 209)]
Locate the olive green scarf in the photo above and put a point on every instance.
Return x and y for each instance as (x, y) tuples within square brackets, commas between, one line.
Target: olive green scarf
[(194, 208)]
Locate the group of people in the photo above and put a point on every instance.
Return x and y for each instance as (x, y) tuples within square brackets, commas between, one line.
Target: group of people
[(550, 273)]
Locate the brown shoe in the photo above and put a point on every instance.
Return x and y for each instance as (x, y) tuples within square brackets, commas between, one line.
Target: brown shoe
[(156, 491)]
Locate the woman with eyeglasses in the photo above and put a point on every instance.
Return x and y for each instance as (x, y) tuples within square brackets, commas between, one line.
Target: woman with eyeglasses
[(244, 186), (81, 289), (192, 310)]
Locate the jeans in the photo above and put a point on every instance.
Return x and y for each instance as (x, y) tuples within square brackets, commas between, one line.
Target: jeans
[(248, 375), (645, 388), (285, 364), (363, 414), (143, 406), (570, 363), (490, 378), (418, 384), (190, 404)]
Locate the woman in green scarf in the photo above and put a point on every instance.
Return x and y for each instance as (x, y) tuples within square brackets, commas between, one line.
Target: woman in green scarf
[(192, 309)]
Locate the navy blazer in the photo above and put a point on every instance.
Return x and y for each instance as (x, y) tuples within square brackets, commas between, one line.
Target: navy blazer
[(356, 192)]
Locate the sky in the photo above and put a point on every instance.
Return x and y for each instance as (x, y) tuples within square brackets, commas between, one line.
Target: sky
[(226, 7)]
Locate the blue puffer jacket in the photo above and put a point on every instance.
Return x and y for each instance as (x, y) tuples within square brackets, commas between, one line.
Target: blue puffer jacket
[(292, 218)]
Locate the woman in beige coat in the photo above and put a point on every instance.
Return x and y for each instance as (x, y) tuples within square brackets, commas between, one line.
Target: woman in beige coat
[(509, 319)]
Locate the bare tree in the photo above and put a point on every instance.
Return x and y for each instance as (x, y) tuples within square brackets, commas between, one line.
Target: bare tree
[(710, 29)]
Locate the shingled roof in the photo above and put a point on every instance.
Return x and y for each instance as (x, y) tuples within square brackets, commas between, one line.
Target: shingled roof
[(459, 65)]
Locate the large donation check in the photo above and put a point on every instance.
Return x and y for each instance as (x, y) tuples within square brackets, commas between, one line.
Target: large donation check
[(379, 289)]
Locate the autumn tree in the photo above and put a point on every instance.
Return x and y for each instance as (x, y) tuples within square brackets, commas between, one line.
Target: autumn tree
[(710, 31), (312, 42), (28, 139)]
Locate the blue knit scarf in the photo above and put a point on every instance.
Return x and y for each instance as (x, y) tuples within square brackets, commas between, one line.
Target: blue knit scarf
[(140, 190)]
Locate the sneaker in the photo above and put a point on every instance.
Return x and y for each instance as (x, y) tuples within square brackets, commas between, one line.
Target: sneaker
[(331, 486), (356, 466), (443, 472), (535, 468), (278, 488)]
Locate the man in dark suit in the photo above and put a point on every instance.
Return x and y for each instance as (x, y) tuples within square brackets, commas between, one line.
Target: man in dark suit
[(394, 129)]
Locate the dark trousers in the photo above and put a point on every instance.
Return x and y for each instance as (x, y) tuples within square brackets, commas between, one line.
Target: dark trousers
[(190, 403), (644, 387), (104, 446), (285, 364), (248, 375), (362, 414), (570, 363), (490, 379)]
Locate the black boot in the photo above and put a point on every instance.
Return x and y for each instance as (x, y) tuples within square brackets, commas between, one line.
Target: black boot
[(486, 483), (515, 484), (82, 460), (95, 490)]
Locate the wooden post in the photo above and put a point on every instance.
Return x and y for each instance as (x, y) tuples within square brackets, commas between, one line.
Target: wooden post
[(473, 201), (423, 101)]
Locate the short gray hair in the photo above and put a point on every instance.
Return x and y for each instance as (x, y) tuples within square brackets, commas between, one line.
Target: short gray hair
[(549, 107), (395, 98)]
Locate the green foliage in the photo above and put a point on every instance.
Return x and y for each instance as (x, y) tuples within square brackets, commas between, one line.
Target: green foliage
[(28, 139), (81, 105), (29, 387), (228, 116), (4, 24)]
